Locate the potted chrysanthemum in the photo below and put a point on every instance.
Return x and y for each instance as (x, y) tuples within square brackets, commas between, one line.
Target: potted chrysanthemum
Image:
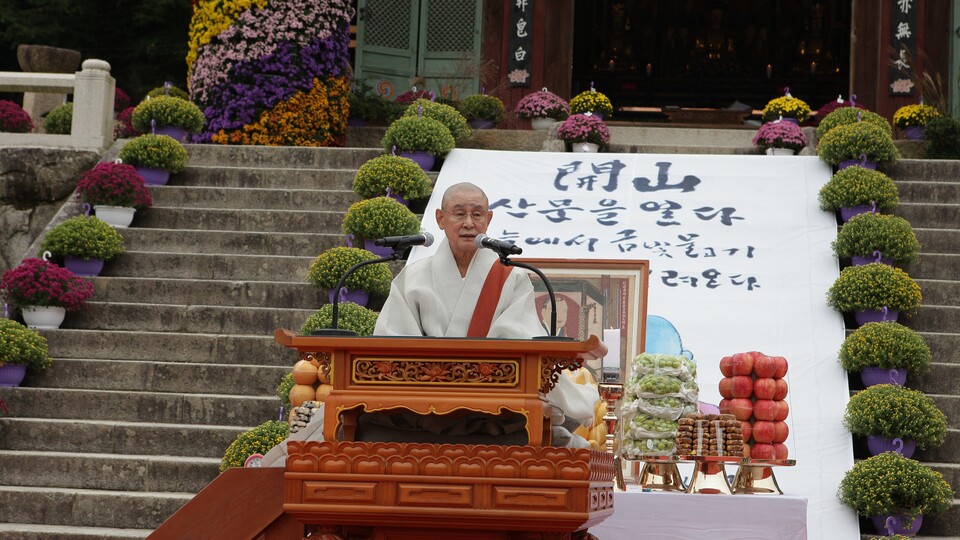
[(884, 352), (855, 190), (44, 292), (21, 349), (483, 111), (869, 237), (584, 133), (895, 418), (593, 102), (874, 292), (392, 176), (851, 115), (330, 266), (445, 114), (543, 108), (84, 243), (374, 218), (13, 119), (913, 118), (115, 191), (419, 138), (156, 157), (350, 316), (860, 143), (258, 440), (167, 115), (59, 121), (780, 138), (787, 107)]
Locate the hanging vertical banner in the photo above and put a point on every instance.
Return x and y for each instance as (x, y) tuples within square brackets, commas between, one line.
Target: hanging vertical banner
[(521, 40), (904, 44)]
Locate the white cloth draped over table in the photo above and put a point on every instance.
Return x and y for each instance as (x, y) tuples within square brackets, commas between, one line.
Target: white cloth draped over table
[(429, 298)]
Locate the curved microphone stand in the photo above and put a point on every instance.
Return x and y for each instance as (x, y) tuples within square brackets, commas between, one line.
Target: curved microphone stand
[(505, 260), (336, 330)]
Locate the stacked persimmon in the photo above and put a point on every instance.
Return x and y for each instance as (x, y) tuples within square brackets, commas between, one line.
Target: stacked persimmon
[(753, 390)]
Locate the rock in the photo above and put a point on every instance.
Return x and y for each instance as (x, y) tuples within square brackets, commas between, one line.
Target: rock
[(45, 59)]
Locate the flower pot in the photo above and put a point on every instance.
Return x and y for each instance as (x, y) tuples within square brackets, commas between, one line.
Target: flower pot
[(877, 444), (399, 198), (119, 216), (914, 133), (346, 295), (791, 120), (83, 267), (379, 251), (865, 163), (176, 133), (43, 317), (875, 315), (599, 115), (12, 374), (874, 375), (857, 260), (542, 123), (153, 177), (897, 524), (847, 212), (780, 151), (479, 123), (584, 147), (424, 159)]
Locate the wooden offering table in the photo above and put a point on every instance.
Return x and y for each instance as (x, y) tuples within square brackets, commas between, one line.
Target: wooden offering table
[(406, 491)]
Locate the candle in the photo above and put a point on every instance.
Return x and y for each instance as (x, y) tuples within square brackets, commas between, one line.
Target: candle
[(649, 69), (769, 71), (813, 67), (611, 338)]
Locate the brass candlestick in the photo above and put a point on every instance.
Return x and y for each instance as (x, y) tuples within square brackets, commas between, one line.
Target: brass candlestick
[(611, 394)]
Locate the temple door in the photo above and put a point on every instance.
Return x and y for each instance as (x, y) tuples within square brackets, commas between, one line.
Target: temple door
[(438, 40)]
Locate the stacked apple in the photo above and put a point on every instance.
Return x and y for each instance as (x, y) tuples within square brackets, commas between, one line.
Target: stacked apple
[(753, 390)]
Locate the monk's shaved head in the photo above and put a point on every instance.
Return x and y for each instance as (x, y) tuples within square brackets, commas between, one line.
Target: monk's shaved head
[(462, 187)]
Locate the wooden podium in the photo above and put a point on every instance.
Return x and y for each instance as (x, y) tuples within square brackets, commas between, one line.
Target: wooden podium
[(407, 491)]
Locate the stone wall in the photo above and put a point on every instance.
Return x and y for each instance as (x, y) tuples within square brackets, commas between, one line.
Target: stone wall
[(34, 184)]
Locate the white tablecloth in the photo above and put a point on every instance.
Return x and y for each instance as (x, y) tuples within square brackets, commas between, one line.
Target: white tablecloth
[(679, 516)]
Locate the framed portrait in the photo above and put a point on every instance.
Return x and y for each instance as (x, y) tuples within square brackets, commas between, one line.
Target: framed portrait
[(601, 297)]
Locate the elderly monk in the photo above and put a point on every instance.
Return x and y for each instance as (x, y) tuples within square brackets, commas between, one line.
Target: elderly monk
[(463, 291)]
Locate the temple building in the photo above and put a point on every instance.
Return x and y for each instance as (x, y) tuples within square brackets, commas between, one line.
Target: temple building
[(648, 56)]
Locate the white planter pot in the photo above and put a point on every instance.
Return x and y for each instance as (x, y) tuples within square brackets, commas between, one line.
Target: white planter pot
[(43, 317), (584, 147), (780, 151), (119, 216), (542, 123)]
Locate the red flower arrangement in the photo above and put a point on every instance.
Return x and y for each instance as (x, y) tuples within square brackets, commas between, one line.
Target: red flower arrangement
[(120, 100), (410, 96), (833, 105), (42, 283), (124, 129), (114, 184), (584, 128), (13, 119)]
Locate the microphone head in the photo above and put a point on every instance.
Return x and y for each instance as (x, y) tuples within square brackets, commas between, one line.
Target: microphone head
[(479, 240), (427, 239)]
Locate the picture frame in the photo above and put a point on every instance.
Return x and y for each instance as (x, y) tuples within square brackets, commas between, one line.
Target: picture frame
[(604, 295)]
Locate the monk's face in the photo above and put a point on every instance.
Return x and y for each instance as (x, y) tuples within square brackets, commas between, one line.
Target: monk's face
[(463, 216)]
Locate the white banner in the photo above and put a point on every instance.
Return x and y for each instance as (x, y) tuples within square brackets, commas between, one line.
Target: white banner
[(740, 260)]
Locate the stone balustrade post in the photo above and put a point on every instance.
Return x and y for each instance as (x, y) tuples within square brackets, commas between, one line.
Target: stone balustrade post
[(93, 102)]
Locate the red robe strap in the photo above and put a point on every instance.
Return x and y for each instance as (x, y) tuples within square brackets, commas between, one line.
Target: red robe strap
[(489, 298)]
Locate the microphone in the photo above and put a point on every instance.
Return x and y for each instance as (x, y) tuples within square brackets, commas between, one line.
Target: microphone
[(402, 242), (501, 247)]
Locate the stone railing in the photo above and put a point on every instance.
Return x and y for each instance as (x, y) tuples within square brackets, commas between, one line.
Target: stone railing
[(93, 91)]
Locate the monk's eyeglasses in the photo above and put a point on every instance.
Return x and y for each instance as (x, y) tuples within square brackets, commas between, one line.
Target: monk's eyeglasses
[(477, 216)]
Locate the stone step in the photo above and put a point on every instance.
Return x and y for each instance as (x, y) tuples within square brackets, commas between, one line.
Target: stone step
[(944, 347), (925, 170), (272, 268), (943, 525), (165, 408), (950, 472), (250, 198), (936, 240), (106, 471), (220, 219), (89, 507), (168, 347), (658, 148), (280, 156), (939, 292), (24, 434), (928, 192), (930, 216), (933, 318), (264, 178), (949, 451), (31, 531), (942, 266), (949, 404), (185, 318), (231, 242), (703, 139), (145, 376), (941, 378), (209, 292)]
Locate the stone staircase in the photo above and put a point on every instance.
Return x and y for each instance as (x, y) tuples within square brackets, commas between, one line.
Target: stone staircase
[(930, 200), (174, 355)]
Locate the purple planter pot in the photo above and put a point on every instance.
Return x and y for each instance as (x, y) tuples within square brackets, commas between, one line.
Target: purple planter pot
[(896, 524), (875, 315), (12, 374), (153, 177), (479, 123), (914, 133), (424, 159), (379, 251), (174, 132), (791, 120), (878, 445), (865, 163), (84, 267), (848, 212), (872, 376), (860, 261), (357, 297)]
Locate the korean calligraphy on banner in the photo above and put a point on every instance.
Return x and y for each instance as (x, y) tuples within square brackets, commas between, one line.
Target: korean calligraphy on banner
[(740, 260), (904, 44), (521, 40)]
